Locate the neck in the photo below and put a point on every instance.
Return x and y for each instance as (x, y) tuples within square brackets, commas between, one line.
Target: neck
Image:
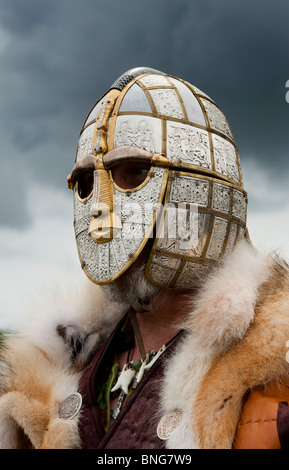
[(159, 325)]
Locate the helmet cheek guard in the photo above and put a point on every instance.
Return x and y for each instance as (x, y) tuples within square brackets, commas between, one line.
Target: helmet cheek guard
[(191, 203)]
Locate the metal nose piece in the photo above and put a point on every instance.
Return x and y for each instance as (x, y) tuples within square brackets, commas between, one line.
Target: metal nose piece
[(99, 208), (104, 227), (105, 222)]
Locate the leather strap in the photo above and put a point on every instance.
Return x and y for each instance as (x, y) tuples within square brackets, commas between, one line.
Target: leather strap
[(138, 337)]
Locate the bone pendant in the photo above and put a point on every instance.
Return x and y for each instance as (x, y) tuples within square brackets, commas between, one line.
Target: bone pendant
[(142, 369), (125, 378), (155, 358)]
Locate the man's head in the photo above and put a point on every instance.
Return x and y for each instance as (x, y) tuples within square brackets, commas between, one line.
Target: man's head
[(157, 179)]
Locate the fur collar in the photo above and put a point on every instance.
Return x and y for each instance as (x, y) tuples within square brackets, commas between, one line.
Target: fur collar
[(235, 339), (64, 313)]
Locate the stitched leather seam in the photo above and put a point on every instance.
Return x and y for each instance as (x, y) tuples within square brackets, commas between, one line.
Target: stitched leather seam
[(258, 421)]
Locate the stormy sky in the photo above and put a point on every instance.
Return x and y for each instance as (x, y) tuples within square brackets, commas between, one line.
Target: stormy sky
[(59, 56)]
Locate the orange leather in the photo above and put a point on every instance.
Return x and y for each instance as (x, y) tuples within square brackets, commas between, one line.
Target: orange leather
[(257, 428)]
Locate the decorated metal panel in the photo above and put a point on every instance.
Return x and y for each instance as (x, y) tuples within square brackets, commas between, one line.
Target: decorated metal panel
[(217, 119), (226, 160), (139, 131), (85, 142), (188, 145)]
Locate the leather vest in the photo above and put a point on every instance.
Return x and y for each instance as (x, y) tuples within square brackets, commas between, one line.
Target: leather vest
[(136, 425)]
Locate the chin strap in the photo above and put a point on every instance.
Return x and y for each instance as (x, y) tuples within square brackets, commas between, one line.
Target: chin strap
[(139, 306), (142, 306), (137, 333)]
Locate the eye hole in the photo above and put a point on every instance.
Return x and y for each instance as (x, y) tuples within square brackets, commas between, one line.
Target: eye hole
[(85, 184), (129, 175)]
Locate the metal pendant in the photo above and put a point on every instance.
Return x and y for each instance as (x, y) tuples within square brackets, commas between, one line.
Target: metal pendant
[(70, 406), (114, 413), (168, 424)]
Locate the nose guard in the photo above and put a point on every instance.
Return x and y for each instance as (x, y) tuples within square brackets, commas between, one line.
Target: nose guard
[(105, 222)]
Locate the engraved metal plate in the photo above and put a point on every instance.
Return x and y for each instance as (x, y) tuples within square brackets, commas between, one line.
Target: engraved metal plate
[(70, 406), (85, 143), (168, 424)]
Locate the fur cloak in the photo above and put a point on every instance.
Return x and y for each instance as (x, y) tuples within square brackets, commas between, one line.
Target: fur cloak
[(235, 341)]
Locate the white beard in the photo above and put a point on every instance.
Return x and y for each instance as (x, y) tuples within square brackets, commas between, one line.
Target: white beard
[(136, 288)]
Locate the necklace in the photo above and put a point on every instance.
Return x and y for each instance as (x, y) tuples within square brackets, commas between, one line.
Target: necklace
[(133, 371)]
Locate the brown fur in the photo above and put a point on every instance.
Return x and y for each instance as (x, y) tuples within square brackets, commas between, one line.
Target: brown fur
[(259, 358), (29, 403), (61, 434)]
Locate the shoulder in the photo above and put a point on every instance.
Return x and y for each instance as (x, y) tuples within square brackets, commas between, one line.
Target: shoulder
[(242, 318), (40, 364), (264, 422), (64, 321)]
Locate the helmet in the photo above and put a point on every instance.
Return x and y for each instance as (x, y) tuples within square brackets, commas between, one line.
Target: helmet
[(191, 205)]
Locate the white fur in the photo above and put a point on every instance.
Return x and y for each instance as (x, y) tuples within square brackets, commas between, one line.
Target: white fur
[(224, 307), (79, 306), (220, 317)]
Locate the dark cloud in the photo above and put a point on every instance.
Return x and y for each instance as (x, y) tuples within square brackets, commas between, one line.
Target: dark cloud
[(59, 56), (13, 201)]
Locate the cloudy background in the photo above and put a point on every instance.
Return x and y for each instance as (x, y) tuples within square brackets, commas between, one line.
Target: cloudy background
[(58, 56)]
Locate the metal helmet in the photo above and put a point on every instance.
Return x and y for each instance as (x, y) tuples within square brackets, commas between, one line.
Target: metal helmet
[(191, 205)]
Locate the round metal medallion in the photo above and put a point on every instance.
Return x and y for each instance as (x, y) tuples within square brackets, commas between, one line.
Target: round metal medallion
[(168, 424), (70, 406)]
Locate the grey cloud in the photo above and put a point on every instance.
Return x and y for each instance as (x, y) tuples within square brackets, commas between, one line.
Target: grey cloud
[(13, 195), (240, 51), (59, 56)]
